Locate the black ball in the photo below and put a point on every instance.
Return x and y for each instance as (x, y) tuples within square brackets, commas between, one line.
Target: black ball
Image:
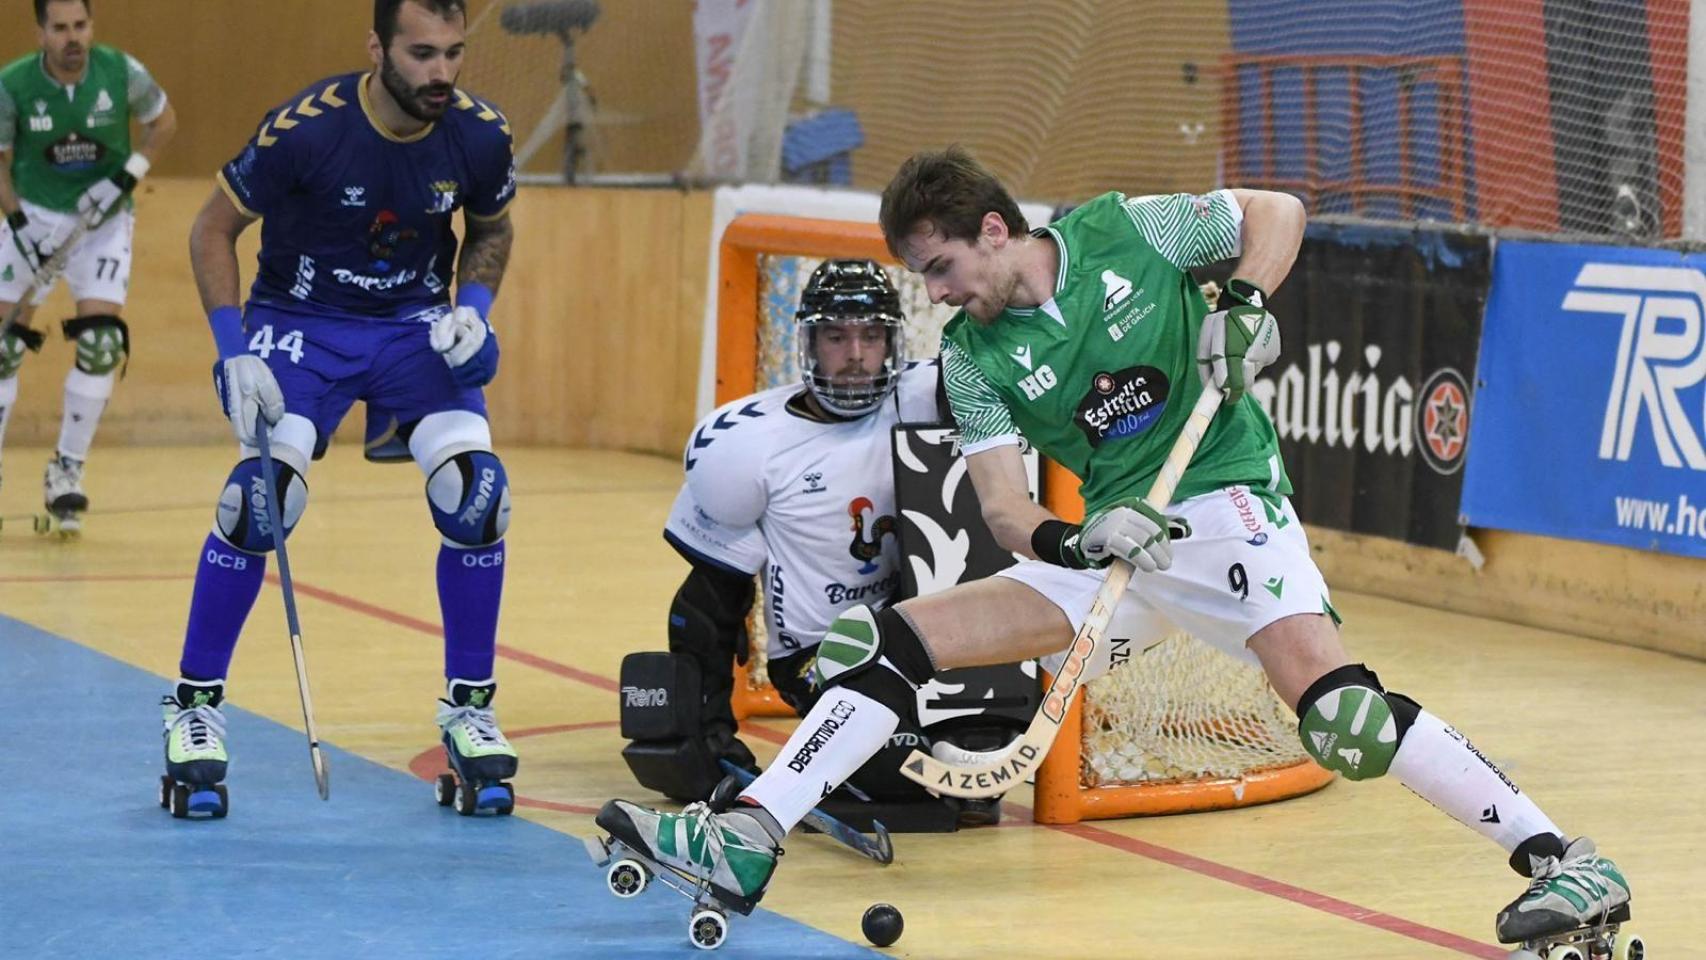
[(882, 924)]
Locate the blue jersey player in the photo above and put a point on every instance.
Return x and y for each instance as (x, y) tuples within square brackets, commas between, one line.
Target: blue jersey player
[(357, 180)]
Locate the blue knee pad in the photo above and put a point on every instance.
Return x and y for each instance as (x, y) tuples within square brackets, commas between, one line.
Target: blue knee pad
[(469, 498), (242, 518)]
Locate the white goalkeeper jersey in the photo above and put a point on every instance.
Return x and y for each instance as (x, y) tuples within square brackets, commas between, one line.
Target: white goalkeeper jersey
[(806, 504)]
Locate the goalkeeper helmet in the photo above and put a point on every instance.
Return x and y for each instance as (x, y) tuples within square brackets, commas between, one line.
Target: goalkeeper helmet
[(850, 336)]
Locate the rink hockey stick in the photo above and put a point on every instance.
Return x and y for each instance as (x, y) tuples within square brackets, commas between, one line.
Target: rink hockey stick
[(275, 516), (44, 277), (1017, 760), (881, 849)]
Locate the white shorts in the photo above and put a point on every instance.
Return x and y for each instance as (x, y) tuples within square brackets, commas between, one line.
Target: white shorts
[(99, 265), (1241, 567)]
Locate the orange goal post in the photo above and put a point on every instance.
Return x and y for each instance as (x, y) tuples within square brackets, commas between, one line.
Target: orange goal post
[(1176, 727)]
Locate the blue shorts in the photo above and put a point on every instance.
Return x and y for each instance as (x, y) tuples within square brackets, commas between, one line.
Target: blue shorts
[(324, 362)]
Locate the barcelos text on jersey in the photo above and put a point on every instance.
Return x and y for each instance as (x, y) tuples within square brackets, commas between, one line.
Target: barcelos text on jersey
[(1121, 404)]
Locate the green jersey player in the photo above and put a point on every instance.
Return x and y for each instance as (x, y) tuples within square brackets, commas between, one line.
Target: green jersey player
[(67, 168), (1091, 340)]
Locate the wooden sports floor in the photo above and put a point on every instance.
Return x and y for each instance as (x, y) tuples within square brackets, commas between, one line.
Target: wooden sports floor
[(1610, 740)]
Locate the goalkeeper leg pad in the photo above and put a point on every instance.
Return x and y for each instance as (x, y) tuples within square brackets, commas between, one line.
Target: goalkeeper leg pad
[(242, 519), (1351, 725), (469, 498)]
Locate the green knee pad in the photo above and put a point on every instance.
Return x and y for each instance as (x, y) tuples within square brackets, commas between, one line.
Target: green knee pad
[(1350, 730), (103, 342), (851, 644), (12, 347)]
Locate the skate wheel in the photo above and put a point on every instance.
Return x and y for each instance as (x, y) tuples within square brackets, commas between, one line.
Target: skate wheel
[(180, 801), (1629, 946), (224, 801), (467, 800), (1523, 955), (506, 802), (1564, 951), (444, 789), (493, 797), (708, 929), (165, 792), (626, 878)]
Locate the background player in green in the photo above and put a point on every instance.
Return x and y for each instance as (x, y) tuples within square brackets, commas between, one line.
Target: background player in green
[(1090, 339), (66, 159)]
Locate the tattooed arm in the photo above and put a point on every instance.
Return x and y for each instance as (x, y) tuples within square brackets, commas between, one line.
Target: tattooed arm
[(485, 253)]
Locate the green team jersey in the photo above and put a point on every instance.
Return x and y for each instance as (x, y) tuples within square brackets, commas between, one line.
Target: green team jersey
[(1103, 376), (63, 138)]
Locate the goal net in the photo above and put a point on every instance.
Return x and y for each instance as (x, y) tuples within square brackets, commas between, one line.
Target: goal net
[(1176, 726)]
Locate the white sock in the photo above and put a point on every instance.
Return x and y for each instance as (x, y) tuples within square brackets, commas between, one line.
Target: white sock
[(8, 400), (1442, 767), (86, 395), (836, 737)]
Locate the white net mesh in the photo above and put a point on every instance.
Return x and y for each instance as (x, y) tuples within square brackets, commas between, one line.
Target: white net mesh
[(525, 60), (1182, 710), (1178, 711)]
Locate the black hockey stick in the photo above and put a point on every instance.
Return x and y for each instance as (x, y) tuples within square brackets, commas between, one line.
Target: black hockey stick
[(275, 516), (881, 849), (1019, 760)]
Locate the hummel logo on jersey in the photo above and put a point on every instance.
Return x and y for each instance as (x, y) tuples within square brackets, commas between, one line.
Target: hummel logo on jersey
[(1118, 288), (814, 482), (1023, 356), (355, 197), (41, 122), (1491, 814)]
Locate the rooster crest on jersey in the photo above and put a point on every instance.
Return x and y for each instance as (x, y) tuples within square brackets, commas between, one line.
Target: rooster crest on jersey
[(842, 293)]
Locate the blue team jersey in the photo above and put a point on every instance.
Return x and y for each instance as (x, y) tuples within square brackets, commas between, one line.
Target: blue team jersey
[(357, 220)]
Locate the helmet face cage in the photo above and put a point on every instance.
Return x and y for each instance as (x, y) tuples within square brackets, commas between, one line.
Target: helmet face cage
[(849, 293)]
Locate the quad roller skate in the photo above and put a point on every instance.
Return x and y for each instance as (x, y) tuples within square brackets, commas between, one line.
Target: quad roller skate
[(195, 751), (721, 862), (1575, 908), (62, 494), (481, 759)]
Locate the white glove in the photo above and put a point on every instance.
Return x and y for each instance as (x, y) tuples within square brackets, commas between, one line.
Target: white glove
[(98, 202), (1236, 343), (458, 335), (248, 389), (36, 240), (1131, 530)]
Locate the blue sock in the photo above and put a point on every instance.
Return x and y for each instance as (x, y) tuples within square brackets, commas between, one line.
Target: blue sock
[(470, 585), (227, 581)]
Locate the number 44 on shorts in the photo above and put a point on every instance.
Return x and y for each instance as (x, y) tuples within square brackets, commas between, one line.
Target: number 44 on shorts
[(262, 343)]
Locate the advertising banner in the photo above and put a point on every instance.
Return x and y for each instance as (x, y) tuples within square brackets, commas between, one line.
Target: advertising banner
[(1590, 417), (1371, 395)]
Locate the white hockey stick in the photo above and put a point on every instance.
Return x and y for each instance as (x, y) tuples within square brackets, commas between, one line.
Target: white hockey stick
[(1015, 763), (44, 277)]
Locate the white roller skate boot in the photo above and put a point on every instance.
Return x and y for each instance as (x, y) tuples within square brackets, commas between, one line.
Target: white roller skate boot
[(480, 757), (195, 750), (1574, 908), (62, 492)]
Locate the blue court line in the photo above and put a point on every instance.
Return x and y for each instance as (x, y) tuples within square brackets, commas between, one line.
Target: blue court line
[(90, 866)]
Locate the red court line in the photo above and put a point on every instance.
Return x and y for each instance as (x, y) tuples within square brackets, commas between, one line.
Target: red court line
[(434, 630), (1174, 858)]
